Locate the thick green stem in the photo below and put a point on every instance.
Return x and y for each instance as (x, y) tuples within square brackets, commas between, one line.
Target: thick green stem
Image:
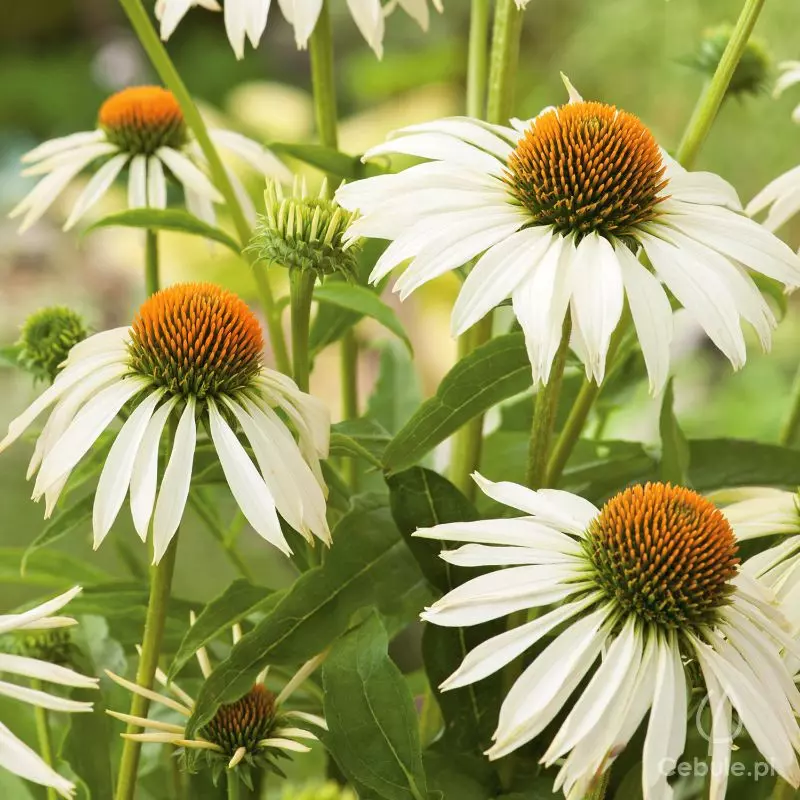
[(43, 736), (234, 785), (320, 50), (467, 443), (160, 583), (478, 59), (791, 427), (504, 59), (783, 791), (166, 70), (301, 293), (544, 415), (151, 278), (710, 101)]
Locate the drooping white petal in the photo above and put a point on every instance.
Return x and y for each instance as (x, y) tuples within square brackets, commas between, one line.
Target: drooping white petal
[(96, 188), (43, 670), (780, 187), (303, 15), (54, 146), (82, 155), (156, 184), (19, 759), (137, 182), (652, 316), (144, 476), (28, 620), (259, 157), (247, 486), (256, 20), (170, 13), (118, 468), (497, 274), (597, 299), (368, 16), (93, 418), (40, 699), (187, 173), (174, 489), (564, 510)]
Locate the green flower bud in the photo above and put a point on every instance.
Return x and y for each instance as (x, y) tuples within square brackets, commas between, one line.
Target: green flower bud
[(53, 646), (306, 233), (46, 338), (753, 72)]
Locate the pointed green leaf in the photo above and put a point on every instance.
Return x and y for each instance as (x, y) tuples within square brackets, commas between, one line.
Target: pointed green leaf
[(167, 219), (373, 731), (491, 373), (674, 447), (363, 301)]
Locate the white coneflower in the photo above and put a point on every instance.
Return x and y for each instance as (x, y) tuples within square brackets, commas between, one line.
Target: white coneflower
[(247, 19), (636, 590), (15, 755), (557, 210), (141, 128), (193, 355), (249, 732)]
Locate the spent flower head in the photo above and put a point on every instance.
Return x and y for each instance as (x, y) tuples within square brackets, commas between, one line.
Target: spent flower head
[(46, 338), (305, 232), (651, 581)]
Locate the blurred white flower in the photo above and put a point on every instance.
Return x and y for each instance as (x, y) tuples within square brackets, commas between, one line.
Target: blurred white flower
[(15, 755), (193, 354), (247, 19), (630, 595), (557, 210), (141, 128)]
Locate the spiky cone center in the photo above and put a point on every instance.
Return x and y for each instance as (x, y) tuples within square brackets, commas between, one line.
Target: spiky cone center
[(664, 553), (196, 339), (305, 233), (588, 167), (47, 337), (243, 723), (143, 118), (54, 646)]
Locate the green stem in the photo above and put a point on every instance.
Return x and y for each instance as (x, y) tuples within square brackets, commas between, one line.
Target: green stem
[(160, 583), (599, 791), (234, 785), (504, 59), (166, 70), (791, 427), (478, 59), (320, 50), (544, 414), (301, 293), (151, 278), (710, 101), (43, 736), (467, 443)]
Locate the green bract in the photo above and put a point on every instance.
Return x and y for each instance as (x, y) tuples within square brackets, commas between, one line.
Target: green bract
[(47, 337)]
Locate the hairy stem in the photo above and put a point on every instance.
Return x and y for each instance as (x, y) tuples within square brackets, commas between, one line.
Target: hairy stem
[(151, 278), (166, 70)]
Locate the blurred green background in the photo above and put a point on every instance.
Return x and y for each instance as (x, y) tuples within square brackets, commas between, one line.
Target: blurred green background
[(59, 60)]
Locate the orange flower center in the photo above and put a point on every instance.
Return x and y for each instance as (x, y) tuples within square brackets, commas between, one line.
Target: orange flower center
[(588, 167), (664, 553), (142, 119), (243, 723), (196, 339)]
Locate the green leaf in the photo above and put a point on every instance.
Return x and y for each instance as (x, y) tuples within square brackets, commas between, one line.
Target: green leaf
[(674, 447), (372, 723), (64, 522), (167, 219), (48, 568), (397, 393), (718, 463), (367, 433), (328, 159), (239, 600), (461, 777), (373, 568), (343, 445), (363, 301), (421, 498), (491, 373)]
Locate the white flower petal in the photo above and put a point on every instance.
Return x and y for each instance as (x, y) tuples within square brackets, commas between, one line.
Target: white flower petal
[(773, 191), (303, 15), (54, 146), (259, 157), (481, 555), (156, 184), (516, 532), (19, 759), (175, 485), (137, 182), (28, 620), (41, 699), (96, 188), (42, 670), (703, 188), (368, 16), (188, 174), (80, 155)]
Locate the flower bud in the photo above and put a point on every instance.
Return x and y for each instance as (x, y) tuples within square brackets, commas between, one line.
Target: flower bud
[(46, 338)]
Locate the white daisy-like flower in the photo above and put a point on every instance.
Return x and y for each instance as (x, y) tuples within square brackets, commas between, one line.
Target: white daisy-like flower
[(557, 211), (249, 733), (633, 592), (142, 129), (192, 355), (15, 755), (247, 19), (763, 511)]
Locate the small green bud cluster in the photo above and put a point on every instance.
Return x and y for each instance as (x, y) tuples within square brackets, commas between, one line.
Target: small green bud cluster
[(46, 338), (753, 72), (305, 233)]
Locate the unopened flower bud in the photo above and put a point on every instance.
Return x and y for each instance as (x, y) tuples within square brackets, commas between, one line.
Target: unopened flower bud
[(47, 337)]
